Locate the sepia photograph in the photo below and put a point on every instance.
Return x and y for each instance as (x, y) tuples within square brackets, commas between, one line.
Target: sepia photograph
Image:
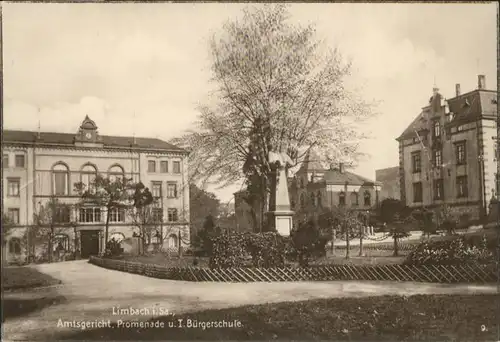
[(250, 171)]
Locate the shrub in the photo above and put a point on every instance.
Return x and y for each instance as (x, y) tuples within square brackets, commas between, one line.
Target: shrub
[(265, 250), (113, 248), (308, 242), (455, 251)]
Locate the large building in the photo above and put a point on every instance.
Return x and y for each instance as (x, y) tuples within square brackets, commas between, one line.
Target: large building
[(389, 178), (447, 155), (41, 166), (314, 187)]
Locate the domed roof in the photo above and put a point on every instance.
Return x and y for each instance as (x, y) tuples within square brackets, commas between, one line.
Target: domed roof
[(88, 123)]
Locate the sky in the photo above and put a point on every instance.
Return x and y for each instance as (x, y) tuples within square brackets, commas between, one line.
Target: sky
[(144, 69)]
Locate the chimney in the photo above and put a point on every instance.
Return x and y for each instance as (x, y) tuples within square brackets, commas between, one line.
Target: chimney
[(481, 82), (457, 89), (341, 167)]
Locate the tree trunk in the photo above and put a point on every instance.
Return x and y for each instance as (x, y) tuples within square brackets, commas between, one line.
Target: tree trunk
[(396, 251), (348, 243), (332, 247), (50, 244), (361, 233), (106, 230)]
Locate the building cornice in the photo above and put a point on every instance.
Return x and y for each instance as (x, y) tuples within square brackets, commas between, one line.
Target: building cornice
[(93, 148)]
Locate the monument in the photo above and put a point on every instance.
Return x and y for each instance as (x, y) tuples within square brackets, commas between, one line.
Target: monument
[(279, 216)]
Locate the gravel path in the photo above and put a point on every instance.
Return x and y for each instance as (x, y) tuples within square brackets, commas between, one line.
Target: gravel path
[(92, 293)]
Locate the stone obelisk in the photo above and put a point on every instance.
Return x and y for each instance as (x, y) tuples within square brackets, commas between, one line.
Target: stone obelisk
[(279, 216)]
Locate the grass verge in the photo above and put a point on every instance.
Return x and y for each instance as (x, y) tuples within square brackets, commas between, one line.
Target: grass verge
[(384, 318), (14, 278)]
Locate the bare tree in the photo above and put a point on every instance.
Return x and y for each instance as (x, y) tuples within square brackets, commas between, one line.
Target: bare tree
[(278, 88), (51, 219), (108, 193)]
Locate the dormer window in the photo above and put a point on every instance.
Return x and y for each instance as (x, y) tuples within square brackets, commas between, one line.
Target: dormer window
[(466, 103)]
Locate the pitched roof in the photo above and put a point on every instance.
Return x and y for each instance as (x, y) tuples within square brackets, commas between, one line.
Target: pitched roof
[(473, 105), (417, 125), (14, 136), (311, 162), (340, 178)]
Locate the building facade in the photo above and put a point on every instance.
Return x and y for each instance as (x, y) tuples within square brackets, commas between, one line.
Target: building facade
[(448, 154), (389, 179), (41, 166), (314, 188)]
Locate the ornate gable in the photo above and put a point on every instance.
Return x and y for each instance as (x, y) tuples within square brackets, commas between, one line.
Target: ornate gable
[(87, 133)]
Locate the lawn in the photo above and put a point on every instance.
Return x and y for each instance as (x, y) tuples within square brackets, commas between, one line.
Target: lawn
[(383, 318), (24, 277)]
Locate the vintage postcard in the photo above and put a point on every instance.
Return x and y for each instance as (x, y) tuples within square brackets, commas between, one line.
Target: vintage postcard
[(250, 171)]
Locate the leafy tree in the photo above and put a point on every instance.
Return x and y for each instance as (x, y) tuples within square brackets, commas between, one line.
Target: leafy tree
[(446, 219), (399, 229), (349, 223), (145, 215), (204, 238), (202, 204), (51, 219), (308, 241), (7, 225), (389, 208), (108, 193), (278, 89)]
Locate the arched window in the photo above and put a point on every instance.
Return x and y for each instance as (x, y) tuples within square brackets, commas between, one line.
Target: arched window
[(302, 201), (172, 241), (61, 243), (368, 198), (437, 129), (60, 179), (88, 174), (354, 198), (119, 237), (15, 246), (313, 200), (115, 171), (342, 198), (319, 198)]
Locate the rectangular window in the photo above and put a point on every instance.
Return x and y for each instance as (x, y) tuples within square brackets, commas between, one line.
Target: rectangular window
[(151, 166), (5, 161), (172, 215), (438, 189), (13, 186), (417, 192), (156, 189), (157, 214), (14, 215), (177, 167), (60, 183), (416, 162), (117, 215), (462, 189), (19, 160), (461, 154), (172, 190), (164, 166), (62, 215), (89, 215), (437, 158)]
